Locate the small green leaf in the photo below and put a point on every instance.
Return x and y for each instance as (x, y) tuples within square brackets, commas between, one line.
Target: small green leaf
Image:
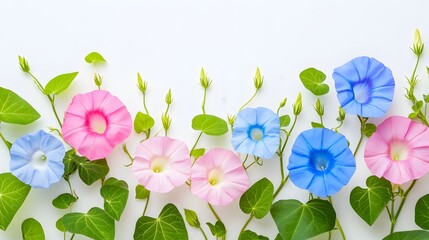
[(94, 58), (192, 218), (412, 115), (91, 171), (12, 195), (218, 229), (417, 106), (313, 80), (209, 124), (369, 129), (421, 216), (60, 83), (426, 98), (284, 121), (64, 201), (60, 226), (95, 224), (196, 153), (142, 192), (317, 125), (115, 194), (369, 203), (168, 226), (143, 122), (14, 109), (250, 235), (258, 198), (408, 235), (71, 160), (296, 220), (32, 230)]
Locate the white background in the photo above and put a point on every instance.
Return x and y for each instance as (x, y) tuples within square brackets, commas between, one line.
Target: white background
[(169, 42)]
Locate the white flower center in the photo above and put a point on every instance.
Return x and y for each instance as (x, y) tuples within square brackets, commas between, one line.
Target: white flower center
[(215, 177), (159, 164), (256, 134), (398, 150), (362, 92), (39, 160), (97, 123)]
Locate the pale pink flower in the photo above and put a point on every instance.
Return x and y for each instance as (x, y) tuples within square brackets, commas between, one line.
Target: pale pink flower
[(95, 123), (161, 164), (398, 150), (219, 177)]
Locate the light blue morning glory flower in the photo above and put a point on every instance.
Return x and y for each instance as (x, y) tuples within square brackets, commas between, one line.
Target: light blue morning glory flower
[(256, 131), (37, 159), (321, 162), (364, 87)]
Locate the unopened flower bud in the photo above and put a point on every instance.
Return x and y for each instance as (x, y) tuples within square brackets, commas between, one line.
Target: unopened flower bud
[(23, 64), (204, 80), (283, 103), (258, 79), (231, 119), (168, 97), (320, 109), (98, 79), (142, 85), (297, 106), (418, 44), (166, 121), (341, 114)]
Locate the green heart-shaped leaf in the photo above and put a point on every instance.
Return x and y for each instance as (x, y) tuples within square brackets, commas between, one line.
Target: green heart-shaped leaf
[(12, 195), (143, 122), (408, 235), (142, 192), (284, 121), (313, 80), (258, 198), (94, 58), (64, 201), (296, 220), (32, 230), (91, 171), (115, 194), (369, 203), (60, 83), (14, 109), (95, 224), (250, 235), (196, 153), (209, 124), (421, 216), (168, 226), (218, 229), (59, 225), (71, 160)]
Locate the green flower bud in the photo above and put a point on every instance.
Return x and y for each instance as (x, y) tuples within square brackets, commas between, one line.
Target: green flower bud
[(283, 103), (168, 97), (98, 79), (204, 80), (418, 44), (297, 106), (341, 114), (192, 218), (142, 85), (258, 79), (320, 109), (23, 64), (231, 120), (166, 121)]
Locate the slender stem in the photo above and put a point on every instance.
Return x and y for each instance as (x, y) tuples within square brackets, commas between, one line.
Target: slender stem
[(37, 83), (202, 231), (392, 219), (204, 101), (338, 223), (7, 143), (52, 100), (146, 204), (254, 95), (329, 235), (245, 160), (279, 188), (321, 119), (358, 145), (196, 142), (403, 199), (289, 133), (247, 223), (72, 192), (415, 67), (72, 236), (214, 212), (362, 132), (144, 103)]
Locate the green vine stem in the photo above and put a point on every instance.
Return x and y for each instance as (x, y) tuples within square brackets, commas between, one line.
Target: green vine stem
[(394, 217), (202, 231), (250, 100), (6, 142), (216, 216), (337, 222), (195, 145), (146, 204), (246, 224), (362, 121)]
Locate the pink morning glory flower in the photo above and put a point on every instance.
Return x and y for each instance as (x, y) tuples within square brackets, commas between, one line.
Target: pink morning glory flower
[(398, 150), (162, 163), (95, 123), (219, 177)]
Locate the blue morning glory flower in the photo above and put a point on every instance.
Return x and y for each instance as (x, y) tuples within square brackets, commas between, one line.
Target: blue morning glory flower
[(321, 162), (37, 159), (256, 131), (364, 87)]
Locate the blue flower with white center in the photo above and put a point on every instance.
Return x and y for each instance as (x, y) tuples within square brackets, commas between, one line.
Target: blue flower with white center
[(37, 159), (321, 162), (256, 131), (364, 87)]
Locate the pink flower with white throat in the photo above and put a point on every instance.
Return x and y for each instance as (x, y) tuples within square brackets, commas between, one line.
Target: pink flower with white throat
[(95, 123), (219, 177), (161, 164)]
